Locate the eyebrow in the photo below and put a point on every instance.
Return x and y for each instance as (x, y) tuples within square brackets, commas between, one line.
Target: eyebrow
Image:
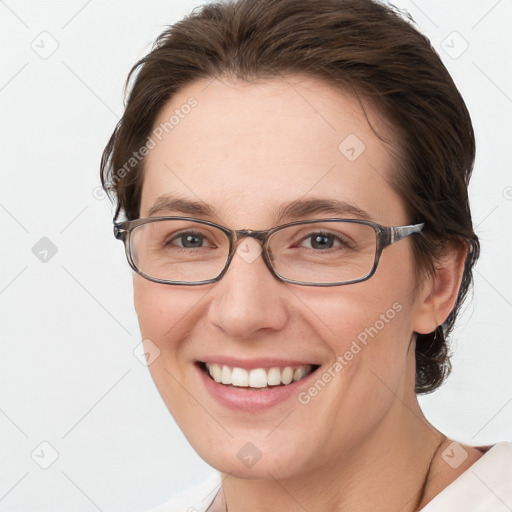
[(169, 203), (298, 208), (306, 207)]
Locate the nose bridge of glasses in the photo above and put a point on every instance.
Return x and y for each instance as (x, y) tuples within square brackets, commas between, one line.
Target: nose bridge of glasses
[(243, 233), (261, 236)]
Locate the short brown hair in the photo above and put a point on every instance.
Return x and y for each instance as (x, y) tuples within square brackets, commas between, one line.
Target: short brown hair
[(360, 46)]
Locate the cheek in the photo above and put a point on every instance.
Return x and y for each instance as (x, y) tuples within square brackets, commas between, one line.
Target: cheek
[(368, 330), (165, 314), (163, 311), (368, 325), (152, 313), (364, 332)]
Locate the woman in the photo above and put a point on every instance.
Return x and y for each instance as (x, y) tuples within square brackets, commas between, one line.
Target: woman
[(294, 180)]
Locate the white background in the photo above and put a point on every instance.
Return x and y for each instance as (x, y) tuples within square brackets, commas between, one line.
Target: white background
[(68, 375)]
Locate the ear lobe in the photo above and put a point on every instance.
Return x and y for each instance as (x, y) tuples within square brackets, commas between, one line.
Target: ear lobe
[(439, 291)]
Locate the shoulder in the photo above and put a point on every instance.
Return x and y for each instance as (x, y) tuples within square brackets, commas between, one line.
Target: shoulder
[(195, 499), (486, 486)]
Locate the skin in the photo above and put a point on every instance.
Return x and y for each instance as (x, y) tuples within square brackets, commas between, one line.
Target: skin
[(246, 149)]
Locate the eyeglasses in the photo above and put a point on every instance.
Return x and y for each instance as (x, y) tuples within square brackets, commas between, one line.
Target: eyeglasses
[(319, 252)]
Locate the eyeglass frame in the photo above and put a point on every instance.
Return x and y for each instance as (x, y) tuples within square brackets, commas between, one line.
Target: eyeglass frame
[(385, 236)]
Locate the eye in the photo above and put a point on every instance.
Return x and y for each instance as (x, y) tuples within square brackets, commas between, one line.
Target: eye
[(187, 240), (321, 241), (324, 241)]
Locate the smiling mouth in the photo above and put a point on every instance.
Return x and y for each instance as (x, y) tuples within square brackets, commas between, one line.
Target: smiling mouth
[(256, 378)]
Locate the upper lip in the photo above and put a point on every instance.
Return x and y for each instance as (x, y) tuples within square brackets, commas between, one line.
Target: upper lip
[(260, 362)]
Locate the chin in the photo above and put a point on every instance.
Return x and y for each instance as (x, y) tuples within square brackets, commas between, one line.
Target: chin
[(250, 456)]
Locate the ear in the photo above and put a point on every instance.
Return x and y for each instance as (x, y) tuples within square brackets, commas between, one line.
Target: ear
[(439, 291)]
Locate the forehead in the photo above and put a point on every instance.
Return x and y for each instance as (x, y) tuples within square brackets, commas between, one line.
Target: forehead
[(247, 148)]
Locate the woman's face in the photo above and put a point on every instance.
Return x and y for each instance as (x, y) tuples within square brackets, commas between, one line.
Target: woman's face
[(247, 150)]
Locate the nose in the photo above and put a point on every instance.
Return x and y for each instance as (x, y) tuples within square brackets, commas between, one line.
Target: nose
[(248, 300)]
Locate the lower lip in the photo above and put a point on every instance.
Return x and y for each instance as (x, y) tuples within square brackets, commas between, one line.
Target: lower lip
[(251, 400)]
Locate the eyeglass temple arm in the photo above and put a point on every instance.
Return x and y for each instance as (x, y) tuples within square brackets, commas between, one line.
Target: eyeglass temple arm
[(120, 232), (396, 233)]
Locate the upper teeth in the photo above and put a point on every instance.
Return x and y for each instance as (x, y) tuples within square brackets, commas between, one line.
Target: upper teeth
[(258, 377)]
